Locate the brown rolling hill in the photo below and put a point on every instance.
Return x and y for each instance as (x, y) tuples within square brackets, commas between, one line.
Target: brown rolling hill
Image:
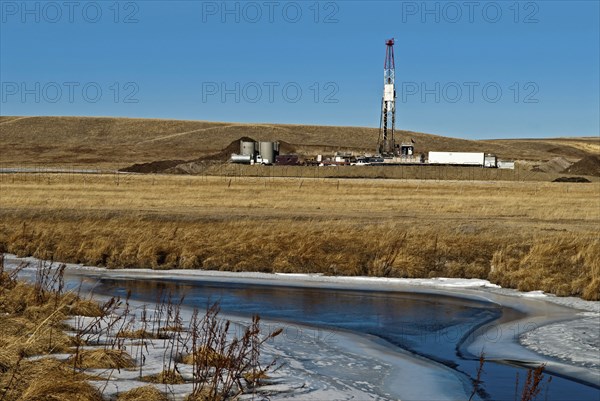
[(105, 142)]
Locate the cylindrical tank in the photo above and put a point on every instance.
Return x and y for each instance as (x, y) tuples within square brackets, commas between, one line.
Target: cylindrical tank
[(267, 151), (246, 159), (247, 148)]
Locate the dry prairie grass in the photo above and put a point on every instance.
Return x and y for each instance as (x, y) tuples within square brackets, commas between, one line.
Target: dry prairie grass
[(206, 357), (142, 334), (539, 236), (102, 359), (570, 145), (46, 380), (165, 377), (145, 393)]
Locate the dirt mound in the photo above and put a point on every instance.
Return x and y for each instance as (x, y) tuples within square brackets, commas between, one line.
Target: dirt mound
[(234, 147), (589, 165), (200, 164), (286, 148), (189, 166), (196, 167), (152, 167), (556, 165), (222, 156), (571, 179)]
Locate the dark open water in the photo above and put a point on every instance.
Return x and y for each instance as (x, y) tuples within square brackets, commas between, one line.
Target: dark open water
[(430, 325)]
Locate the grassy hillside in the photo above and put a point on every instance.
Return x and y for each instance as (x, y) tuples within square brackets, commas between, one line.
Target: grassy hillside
[(119, 142), (570, 148)]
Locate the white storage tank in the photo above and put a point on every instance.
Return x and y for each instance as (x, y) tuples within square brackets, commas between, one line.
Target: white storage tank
[(247, 148), (268, 151)]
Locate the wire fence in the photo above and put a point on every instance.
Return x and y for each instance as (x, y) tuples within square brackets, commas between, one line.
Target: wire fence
[(227, 171)]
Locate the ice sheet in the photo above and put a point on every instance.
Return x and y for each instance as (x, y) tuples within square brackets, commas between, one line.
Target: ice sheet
[(562, 332)]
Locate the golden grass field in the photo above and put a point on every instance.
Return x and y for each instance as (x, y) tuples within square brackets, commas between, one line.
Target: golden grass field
[(114, 143), (525, 235)]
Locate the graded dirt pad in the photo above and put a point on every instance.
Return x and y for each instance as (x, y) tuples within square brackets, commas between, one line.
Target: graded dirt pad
[(589, 165)]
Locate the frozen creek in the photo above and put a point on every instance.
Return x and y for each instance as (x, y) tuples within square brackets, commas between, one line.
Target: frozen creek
[(369, 338)]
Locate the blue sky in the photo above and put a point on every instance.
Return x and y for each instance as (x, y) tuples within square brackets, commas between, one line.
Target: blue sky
[(480, 69)]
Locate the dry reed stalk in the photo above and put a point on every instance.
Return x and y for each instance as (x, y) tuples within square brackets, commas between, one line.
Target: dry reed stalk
[(534, 383)]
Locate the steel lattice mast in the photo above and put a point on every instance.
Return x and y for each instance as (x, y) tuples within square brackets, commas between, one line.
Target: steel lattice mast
[(387, 145)]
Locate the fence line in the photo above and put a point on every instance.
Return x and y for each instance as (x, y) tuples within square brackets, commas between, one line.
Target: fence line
[(233, 172)]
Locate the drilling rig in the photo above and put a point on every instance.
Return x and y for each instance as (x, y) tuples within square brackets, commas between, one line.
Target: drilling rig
[(386, 144)]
